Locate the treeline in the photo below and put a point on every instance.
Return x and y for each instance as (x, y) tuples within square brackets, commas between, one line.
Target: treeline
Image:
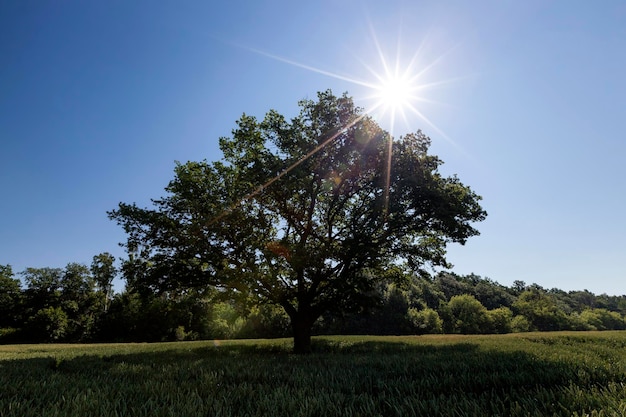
[(76, 304), (450, 303)]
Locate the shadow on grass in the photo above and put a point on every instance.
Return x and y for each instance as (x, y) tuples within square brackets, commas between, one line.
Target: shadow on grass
[(464, 363), (341, 373)]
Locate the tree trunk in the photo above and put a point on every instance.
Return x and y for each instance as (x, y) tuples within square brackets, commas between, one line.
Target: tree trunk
[(301, 334)]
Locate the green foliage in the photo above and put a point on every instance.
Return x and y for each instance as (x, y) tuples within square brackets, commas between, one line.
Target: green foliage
[(302, 213), (76, 282), (541, 310), (468, 315), (57, 304), (520, 324), (450, 285), (104, 271), (122, 319), (392, 317), (43, 287), (265, 321), (10, 335), (180, 334), (491, 294), (10, 297), (66, 305), (79, 301), (226, 322), (50, 324), (427, 292), (426, 321), (500, 319), (601, 319), (513, 375)]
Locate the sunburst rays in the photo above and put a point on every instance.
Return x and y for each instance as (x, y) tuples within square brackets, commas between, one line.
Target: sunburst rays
[(396, 90)]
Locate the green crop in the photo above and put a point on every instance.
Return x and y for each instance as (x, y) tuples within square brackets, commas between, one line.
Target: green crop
[(540, 374)]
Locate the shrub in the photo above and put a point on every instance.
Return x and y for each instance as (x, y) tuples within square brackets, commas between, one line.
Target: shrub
[(541, 311), (9, 335), (500, 319), (468, 314), (520, 324), (425, 321), (601, 319), (48, 325), (180, 334)]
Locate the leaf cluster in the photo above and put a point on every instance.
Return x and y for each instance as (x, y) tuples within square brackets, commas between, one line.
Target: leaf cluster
[(303, 213)]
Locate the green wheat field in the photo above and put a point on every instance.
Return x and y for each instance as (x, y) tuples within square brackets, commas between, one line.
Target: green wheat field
[(530, 374)]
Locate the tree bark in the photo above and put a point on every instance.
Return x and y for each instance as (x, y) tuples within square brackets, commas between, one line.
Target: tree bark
[(301, 334)]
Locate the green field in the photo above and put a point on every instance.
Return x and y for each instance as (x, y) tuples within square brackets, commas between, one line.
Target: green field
[(532, 374)]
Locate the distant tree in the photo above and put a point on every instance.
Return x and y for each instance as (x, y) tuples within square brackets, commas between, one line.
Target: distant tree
[(540, 309), (426, 321), (426, 291), (451, 284), (492, 295), (520, 324), (76, 282), (226, 322), (123, 320), (300, 213), (104, 271), (612, 303), (563, 300), (500, 319), (583, 300), (518, 287), (601, 319), (43, 288), (391, 317), (266, 321), (468, 314), (59, 304), (47, 325), (79, 301), (471, 279), (10, 298)]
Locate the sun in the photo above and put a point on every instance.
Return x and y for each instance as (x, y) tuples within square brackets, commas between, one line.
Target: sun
[(395, 92), (396, 82), (392, 89)]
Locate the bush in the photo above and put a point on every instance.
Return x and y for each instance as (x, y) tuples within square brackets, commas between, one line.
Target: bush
[(180, 334), (48, 325), (500, 319), (541, 311), (225, 321), (520, 324), (601, 319), (9, 335), (266, 321), (425, 321), (468, 314), (578, 322)]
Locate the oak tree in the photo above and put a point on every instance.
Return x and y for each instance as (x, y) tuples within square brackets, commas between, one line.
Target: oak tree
[(301, 213)]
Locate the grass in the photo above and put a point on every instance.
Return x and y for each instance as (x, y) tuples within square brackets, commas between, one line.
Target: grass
[(540, 374)]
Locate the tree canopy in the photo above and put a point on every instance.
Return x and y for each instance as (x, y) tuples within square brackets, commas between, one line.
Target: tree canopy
[(304, 214)]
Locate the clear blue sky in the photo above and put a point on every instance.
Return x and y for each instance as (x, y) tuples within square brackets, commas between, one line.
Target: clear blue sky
[(98, 99)]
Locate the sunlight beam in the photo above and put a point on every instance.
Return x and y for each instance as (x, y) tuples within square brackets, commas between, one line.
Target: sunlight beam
[(394, 92)]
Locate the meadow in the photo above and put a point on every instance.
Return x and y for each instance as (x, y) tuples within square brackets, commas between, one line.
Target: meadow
[(530, 374)]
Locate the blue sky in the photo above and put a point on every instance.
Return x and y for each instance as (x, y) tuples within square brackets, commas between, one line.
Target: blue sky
[(526, 102)]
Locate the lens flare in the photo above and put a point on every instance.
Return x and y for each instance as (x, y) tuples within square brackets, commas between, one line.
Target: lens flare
[(395, 91)]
